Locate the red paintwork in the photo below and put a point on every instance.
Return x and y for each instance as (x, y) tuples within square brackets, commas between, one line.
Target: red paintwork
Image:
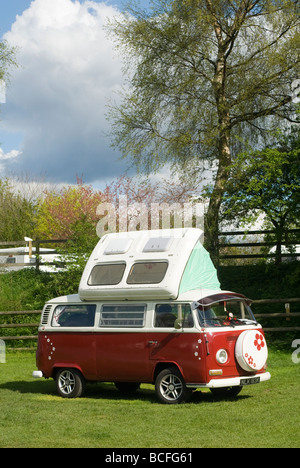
[(225, 340), (126, 356)]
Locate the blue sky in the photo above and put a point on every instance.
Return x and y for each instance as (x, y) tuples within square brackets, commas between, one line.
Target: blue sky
[(9, 9), (53, 122)]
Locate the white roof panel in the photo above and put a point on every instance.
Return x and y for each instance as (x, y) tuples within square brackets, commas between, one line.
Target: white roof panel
[(166, 250), (117, 246), (157, 244)]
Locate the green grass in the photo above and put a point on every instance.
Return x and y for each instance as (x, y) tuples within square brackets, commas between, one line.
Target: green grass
[(32, 415)]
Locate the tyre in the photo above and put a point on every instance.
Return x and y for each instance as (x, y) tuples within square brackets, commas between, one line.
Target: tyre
[(170, 387), (69, 383), (226, 391), (127, 387)]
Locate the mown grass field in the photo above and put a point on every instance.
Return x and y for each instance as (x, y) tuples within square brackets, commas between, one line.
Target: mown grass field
[(32, 415)]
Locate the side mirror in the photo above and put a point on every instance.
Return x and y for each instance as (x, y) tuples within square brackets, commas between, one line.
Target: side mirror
[(178, 324)]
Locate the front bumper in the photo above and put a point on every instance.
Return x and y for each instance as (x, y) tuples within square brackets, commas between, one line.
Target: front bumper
[(232, 382)]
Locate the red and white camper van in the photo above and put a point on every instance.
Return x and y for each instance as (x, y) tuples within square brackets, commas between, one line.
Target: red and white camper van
[(150, 310)]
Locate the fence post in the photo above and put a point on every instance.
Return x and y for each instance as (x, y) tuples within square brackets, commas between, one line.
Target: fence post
[(287, 311), (37, 253)]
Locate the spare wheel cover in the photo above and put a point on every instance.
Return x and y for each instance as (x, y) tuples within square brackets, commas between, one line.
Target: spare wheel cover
[(251, 350)]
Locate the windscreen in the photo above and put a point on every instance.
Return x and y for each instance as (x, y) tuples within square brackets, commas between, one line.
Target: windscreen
[(225, 314)]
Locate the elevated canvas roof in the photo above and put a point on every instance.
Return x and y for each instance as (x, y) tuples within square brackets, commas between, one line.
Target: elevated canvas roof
[(158, 264)]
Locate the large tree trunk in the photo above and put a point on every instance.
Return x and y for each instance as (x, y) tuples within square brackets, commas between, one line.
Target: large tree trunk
[(224, 154), (279, 233), (212, 216)]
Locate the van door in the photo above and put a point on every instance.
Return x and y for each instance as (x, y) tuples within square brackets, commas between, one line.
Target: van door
[(175, 340), (70, 342), (122, 343)]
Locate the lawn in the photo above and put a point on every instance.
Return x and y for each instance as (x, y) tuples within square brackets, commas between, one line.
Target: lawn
[(31, 415)]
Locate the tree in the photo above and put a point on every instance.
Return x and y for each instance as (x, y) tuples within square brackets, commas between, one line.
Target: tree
[(267, 182), (204, 76), (7, 60), (17, 213), (70, 213), (15, 210)]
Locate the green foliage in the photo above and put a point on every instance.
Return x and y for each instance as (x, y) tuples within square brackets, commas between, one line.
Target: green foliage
[(267, 281), (17, 214), (205, 77), (262, 281), (25, 290), (266, 182), (69, 214), (181, 64), (7, 59)]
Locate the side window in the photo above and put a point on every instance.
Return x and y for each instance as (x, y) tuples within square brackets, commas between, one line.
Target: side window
[(147, 273), (122, 316), (74, 316), (11, 260), (167, 314), (106, 274)]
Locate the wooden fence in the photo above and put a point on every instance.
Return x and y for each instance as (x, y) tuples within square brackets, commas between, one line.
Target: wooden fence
[(34, 254), (255, 244), (232, 243), (287, 315)]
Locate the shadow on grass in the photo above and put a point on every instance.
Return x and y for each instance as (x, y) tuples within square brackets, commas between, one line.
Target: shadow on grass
[(108, 391)]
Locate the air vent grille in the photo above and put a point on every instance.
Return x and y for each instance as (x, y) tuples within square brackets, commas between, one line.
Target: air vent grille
[(46, 313)]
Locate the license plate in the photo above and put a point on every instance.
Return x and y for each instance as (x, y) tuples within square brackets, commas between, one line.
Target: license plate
[(250, 381)]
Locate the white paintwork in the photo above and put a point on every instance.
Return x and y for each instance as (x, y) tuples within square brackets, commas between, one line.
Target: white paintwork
[(170, 245)]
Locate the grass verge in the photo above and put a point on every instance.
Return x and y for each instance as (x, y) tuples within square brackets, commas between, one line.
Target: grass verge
[(32, 415)]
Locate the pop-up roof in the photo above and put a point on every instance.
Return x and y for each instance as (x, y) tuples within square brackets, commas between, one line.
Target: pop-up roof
[(158, 264)]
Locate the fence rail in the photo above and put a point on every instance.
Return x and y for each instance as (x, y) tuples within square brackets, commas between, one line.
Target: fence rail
[(31, 325), (253, 244), (35, 255), (233, 243), (288, 315)]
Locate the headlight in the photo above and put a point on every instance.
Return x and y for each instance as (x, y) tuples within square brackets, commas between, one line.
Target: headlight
[(222, 356)]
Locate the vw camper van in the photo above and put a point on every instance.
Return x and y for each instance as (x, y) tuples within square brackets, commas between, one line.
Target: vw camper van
[(150, 310)]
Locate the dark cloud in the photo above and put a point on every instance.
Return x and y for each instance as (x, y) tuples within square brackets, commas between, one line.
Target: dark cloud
[(58, 96)]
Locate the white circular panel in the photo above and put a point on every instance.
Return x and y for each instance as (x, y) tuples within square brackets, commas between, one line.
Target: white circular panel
[(251, 350)]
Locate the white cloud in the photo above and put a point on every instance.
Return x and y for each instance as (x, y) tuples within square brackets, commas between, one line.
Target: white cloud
[(10, 155), (7, 157), (57, 98)]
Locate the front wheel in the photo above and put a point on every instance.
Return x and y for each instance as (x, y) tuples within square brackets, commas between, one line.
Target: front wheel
[(69, 383), (170, 387)]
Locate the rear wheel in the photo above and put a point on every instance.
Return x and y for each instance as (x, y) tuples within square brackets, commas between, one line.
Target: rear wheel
[(170, 387), (69, 383)]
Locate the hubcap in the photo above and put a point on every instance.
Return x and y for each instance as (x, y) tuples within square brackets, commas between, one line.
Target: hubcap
[(171, 387), (66, 382)]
